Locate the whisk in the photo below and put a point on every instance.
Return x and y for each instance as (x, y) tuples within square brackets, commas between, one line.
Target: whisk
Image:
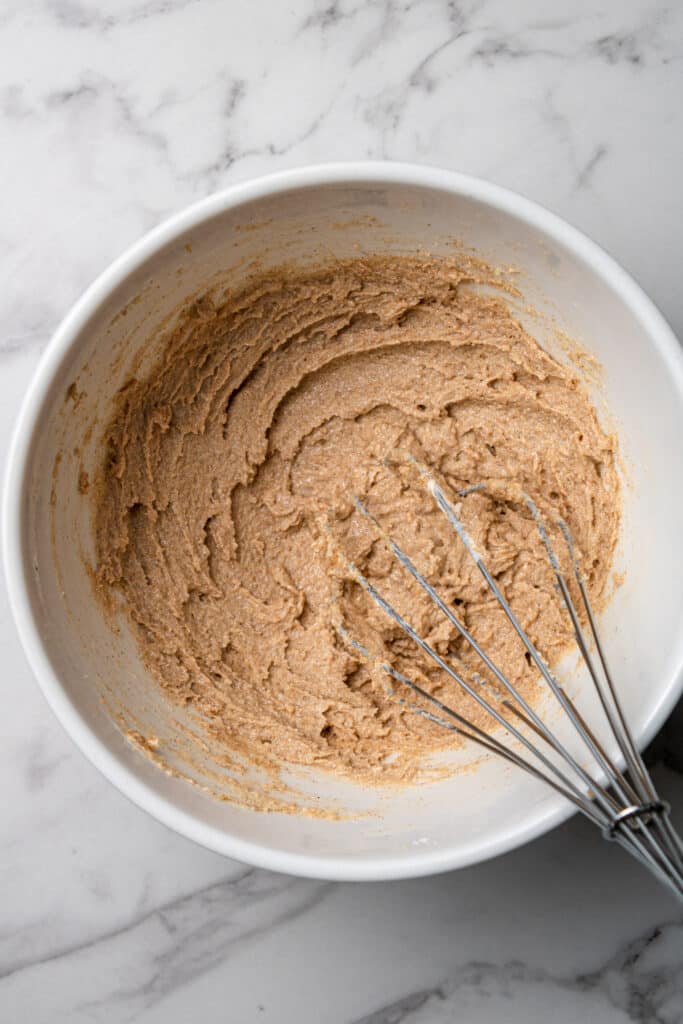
[(624, 804)]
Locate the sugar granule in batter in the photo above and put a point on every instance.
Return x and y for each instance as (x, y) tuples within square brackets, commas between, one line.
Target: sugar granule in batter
[(273, 407)]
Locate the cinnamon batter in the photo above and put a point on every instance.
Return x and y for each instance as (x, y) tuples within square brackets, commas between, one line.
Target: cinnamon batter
[(224, 510)]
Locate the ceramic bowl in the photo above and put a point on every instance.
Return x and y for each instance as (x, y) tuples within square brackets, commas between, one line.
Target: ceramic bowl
[(92, 675)]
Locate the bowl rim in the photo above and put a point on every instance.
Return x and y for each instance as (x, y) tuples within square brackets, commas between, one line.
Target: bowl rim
[(338, 868)]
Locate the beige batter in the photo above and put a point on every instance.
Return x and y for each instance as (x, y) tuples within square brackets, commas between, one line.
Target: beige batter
[(224, 510)]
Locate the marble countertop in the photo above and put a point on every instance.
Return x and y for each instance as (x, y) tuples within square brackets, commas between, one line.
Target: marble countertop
[(114, 114)]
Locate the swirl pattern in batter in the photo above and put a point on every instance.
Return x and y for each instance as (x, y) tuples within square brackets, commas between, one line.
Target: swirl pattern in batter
[(266, 412)]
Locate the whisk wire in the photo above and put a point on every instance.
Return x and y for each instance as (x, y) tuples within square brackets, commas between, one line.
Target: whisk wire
[(464, 728), (617, 779), (473, 693), (600, 795), (556, 688), (603, 797), (629, 810), (635, 782), (634, 761), (616, 722)]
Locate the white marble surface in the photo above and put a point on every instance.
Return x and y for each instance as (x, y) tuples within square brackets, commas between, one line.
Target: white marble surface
[(112, 115)]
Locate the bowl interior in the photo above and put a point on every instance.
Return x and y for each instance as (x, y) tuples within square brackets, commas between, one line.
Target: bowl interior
[(94, 672)]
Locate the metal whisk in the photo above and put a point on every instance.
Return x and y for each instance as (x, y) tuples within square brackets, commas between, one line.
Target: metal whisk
[(623, 804)]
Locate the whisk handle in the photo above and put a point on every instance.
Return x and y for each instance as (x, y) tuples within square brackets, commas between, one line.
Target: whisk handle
[(646, 832)]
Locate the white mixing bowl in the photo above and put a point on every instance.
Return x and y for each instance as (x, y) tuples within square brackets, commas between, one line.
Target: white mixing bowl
[(325, 212)]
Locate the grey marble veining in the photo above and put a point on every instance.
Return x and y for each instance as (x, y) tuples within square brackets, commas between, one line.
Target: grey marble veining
[(113, 115)]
